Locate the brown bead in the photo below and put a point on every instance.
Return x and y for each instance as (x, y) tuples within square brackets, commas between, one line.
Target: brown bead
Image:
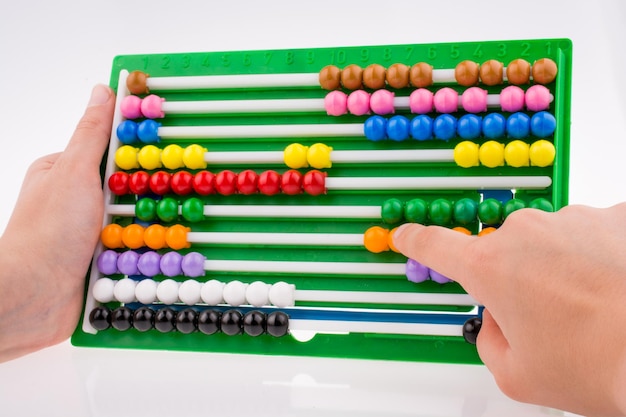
[(491, 72), (398, 76), (466, 73), (544, 71), (136, 82), (518, 72), (329, 77), (421, 75), (374, 76), (352, 77)]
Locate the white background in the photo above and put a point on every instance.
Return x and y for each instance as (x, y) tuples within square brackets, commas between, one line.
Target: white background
[(52, 53)]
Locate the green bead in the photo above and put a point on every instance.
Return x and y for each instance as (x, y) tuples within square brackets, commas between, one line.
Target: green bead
[(193, 210), (490, 212), (440, 211), (541, 204), (145, 209), (512, 205), (167, 209), (415, 211), (465, 210), (392, 211)]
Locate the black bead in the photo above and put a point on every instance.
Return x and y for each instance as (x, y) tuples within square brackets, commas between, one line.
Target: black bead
[(122, 318), (471, 329), (254, 323), (143, 319), (164, 320), (186, 321), (277, 323), (231, 322), (100, 318), (209, 321)]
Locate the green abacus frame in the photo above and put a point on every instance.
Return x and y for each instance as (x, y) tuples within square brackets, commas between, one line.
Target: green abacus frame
[(353, 345)]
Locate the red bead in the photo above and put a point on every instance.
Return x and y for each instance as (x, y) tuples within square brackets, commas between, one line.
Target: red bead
[(247, 182), (269, 183), (160, 182), (118, 183), (314, 182), (291, 182), (226, 182), (203, 183), (181, 183), (138, 182)]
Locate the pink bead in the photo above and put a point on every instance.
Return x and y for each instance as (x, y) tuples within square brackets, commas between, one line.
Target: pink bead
[(151, 107), (421, 101), (359, 102), (381, 102), (131, 107), (512, 99), (538, 98), (335, 103), (446, 100), (474, 100)]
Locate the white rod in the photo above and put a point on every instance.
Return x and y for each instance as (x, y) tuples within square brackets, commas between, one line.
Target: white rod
[(347, 268), (260, 131), (233, 81), (384, 297), (337, 326), (249, 238), (438, 183), (243, 106)]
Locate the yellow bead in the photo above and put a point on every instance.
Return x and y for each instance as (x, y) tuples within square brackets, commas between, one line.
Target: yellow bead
[(466, 154), (516, 154), (491, 154), (319, 156), (172, 157), (295, 156), (375, 239), (193, 157), (149, 157), (542, 153), (126, 157)]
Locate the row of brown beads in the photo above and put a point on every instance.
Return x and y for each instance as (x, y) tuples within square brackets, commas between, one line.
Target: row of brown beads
[(518, 72)]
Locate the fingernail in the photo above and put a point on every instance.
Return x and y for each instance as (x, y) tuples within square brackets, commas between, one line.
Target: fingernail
[(99, 95)]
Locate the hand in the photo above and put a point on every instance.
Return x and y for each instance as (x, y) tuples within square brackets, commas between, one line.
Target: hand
[(554, 290), (51, 236)]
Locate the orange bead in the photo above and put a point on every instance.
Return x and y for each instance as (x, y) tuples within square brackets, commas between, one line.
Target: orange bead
[(176, 237), (132, 236), (390, 240), (111, 236), (154, 236), (486, 231), (375, 239), (462, 230)]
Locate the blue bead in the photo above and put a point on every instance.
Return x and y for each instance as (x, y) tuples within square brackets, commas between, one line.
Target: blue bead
[(518, 125), (494, 126), (127, 132), (147, 131), (398, 128), (469, 126), (422, 127), (375, 128), (542, 124), (444, 127)]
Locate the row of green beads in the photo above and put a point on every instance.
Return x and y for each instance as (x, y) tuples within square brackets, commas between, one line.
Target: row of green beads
[(166, 209)]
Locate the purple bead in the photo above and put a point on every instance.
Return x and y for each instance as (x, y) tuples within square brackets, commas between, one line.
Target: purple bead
[(437, 277), (149, 264), (170, 264), (193, 264), (415, 271), (127, 263), (107, 262)]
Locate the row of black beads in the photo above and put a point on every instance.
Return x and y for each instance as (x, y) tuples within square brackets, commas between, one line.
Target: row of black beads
[(231, 322)]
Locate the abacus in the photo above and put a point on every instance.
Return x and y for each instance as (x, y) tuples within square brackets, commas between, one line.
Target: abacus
[(251, 196)]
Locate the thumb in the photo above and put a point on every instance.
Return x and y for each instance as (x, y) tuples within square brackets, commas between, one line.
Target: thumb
[(93, 132)]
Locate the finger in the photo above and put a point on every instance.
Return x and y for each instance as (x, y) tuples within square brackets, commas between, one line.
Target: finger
[(93, 132)]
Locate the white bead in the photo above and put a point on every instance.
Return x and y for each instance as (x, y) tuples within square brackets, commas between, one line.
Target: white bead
[(235, 293), (189, 292), (167, 291), (282, 294), (257, 294), (146, 291), (124, 290), (211, 292), (103, 290)]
